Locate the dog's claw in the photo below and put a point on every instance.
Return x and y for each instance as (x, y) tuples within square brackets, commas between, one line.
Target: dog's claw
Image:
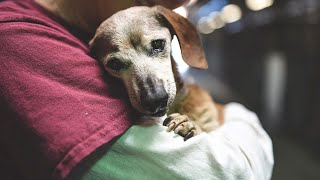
[(170, 118), (181, 125), (188, 136), (166, 121)]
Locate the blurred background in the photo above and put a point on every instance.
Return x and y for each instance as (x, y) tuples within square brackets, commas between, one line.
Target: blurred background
[(265, 54)]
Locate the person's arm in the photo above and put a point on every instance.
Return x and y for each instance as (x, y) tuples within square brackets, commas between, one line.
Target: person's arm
[(240, 149), (55, 105)]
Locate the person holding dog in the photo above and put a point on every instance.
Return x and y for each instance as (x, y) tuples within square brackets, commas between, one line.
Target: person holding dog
[(63, 117)]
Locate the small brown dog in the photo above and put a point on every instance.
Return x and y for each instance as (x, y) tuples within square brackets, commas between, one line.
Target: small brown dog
[(134, 46)]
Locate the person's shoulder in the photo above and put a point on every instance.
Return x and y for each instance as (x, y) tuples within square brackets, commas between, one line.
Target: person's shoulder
[(27, 12), (16, 11), (23, 23)]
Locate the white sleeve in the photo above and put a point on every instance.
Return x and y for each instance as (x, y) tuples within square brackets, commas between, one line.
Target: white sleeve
[(240, 149)]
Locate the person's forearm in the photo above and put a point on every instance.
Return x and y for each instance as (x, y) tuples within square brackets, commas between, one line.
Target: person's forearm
[(243, 129), (240, 149)]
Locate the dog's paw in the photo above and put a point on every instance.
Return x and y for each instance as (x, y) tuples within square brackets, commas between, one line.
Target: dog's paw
[(181, 125)]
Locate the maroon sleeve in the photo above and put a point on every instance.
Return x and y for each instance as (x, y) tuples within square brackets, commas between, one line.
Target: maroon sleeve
[(57, 107)]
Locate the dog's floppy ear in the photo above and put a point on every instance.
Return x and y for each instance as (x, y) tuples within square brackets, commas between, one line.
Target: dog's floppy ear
[(191, 48)]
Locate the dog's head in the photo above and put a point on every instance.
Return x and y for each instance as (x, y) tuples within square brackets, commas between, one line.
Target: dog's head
[(134, 45)]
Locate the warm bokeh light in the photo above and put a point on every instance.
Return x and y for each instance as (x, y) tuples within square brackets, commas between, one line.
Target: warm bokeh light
[(215, 21), (257, 5), (218, 19), (231, 13), (204, 27)]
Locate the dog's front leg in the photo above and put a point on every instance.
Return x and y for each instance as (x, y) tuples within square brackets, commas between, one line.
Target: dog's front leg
[(182, 125), (194, 112)]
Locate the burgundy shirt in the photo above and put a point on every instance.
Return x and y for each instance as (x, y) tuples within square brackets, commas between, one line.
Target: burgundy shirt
[(57, 105)]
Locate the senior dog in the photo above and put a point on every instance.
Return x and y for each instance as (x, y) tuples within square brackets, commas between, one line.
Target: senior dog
[(134, 46)]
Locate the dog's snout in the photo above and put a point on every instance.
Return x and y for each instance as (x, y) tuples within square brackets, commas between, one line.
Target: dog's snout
[(154, 98), (156, 104)]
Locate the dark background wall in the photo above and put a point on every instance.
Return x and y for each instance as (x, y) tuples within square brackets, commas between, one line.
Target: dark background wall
[(269, 61)]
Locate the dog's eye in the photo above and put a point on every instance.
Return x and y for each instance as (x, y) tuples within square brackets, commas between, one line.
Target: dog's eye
[(158, 45), (117, 65)]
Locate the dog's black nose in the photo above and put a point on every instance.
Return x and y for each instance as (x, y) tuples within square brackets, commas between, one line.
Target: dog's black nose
[(155, 103), (153, 96)]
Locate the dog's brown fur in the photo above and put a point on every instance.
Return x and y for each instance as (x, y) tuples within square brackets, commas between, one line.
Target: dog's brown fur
[(193, 111)]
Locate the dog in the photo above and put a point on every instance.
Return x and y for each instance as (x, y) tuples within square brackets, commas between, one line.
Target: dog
[(134, 46)]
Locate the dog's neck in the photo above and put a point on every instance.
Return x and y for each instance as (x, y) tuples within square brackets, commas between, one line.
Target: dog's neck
[(180, 86)]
